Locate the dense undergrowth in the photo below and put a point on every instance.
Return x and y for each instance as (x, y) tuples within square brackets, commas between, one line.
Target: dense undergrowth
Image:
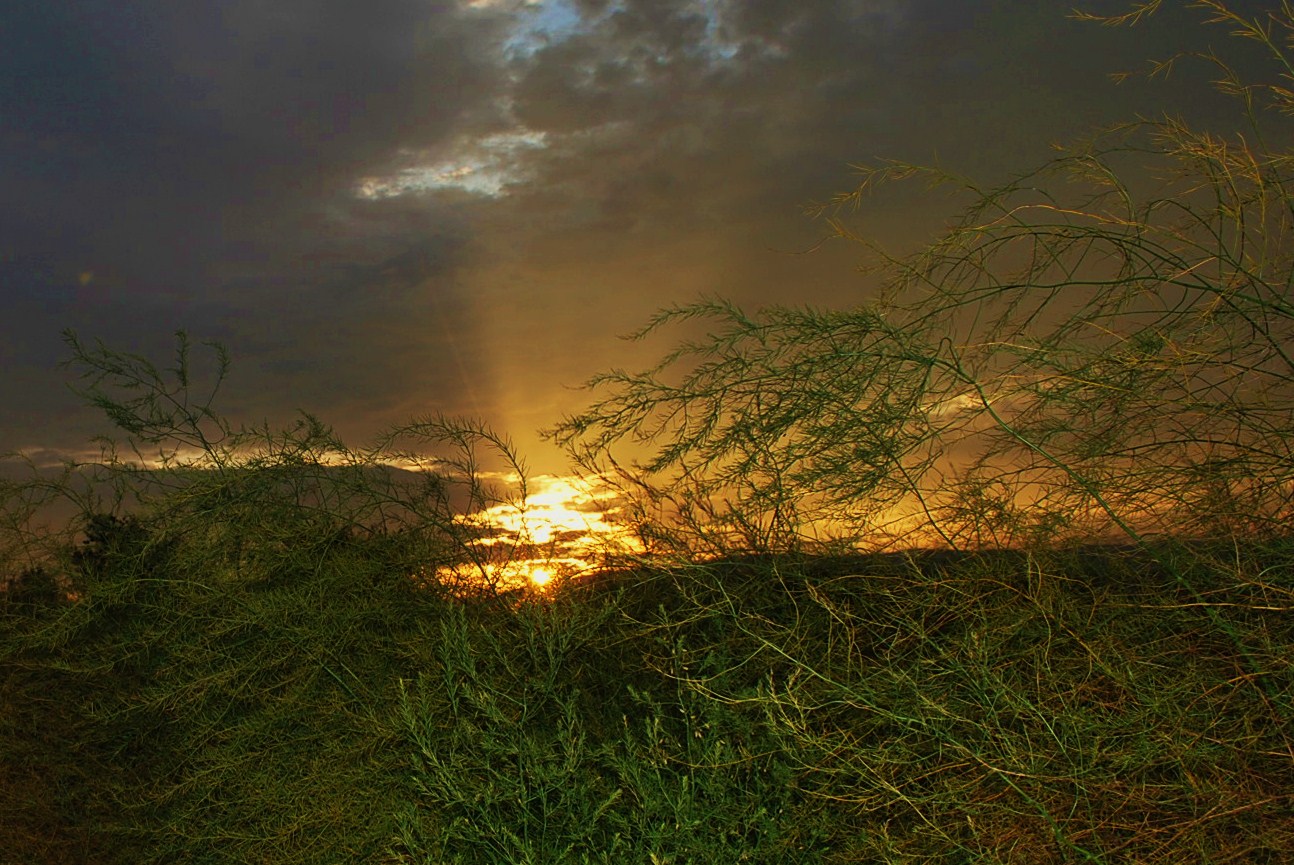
[(1014, 707), (266, 646)]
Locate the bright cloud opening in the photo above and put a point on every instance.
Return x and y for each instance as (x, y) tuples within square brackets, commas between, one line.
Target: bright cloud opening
[(566, 526), (483, 166)]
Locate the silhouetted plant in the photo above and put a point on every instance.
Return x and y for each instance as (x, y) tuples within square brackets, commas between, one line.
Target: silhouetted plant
[(34, 587), (1099, 347), (227, 596)]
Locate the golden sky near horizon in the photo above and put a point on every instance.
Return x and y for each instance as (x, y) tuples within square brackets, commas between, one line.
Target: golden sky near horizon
[(566, 526)]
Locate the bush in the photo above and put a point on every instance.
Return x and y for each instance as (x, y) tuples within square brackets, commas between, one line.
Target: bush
[(1097, 349)]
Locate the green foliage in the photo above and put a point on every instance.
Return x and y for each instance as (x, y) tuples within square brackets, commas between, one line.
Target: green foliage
[(779, 421), (1008, 707), (515, 761), (241, 597), (219, 711)]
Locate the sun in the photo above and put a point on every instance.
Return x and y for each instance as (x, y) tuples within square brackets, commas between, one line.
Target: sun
[(564, 527)]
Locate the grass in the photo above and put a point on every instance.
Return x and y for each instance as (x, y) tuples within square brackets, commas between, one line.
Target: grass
[(1074, 705), (995, 569)]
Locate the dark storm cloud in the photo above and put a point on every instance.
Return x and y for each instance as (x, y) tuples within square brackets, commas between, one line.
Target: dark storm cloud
[(684, 137), (658, 108), (181, 163), (772, 99), (166, 114), (190, 164)]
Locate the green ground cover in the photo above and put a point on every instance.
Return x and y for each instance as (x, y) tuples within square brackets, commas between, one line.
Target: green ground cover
[(1028, 707)]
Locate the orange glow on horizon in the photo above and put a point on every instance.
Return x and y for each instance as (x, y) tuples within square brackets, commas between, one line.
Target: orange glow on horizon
[(565, 527)]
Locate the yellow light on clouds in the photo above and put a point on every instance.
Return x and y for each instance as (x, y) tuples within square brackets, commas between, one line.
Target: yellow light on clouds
[(565, 527)]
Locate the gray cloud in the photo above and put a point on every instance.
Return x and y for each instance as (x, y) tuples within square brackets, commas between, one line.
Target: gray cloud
[(191, 164), (409, 205)]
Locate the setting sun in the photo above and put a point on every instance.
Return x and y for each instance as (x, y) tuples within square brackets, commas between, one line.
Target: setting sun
[(564, 527)]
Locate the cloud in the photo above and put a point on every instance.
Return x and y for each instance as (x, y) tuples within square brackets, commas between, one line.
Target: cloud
[(482, 165), (199, 159), (199, 123), (398, 206)]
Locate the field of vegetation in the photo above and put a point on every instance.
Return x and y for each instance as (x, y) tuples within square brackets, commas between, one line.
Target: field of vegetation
[(995, 568)]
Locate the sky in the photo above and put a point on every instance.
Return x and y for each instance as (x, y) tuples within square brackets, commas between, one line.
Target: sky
[(393, 208)]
